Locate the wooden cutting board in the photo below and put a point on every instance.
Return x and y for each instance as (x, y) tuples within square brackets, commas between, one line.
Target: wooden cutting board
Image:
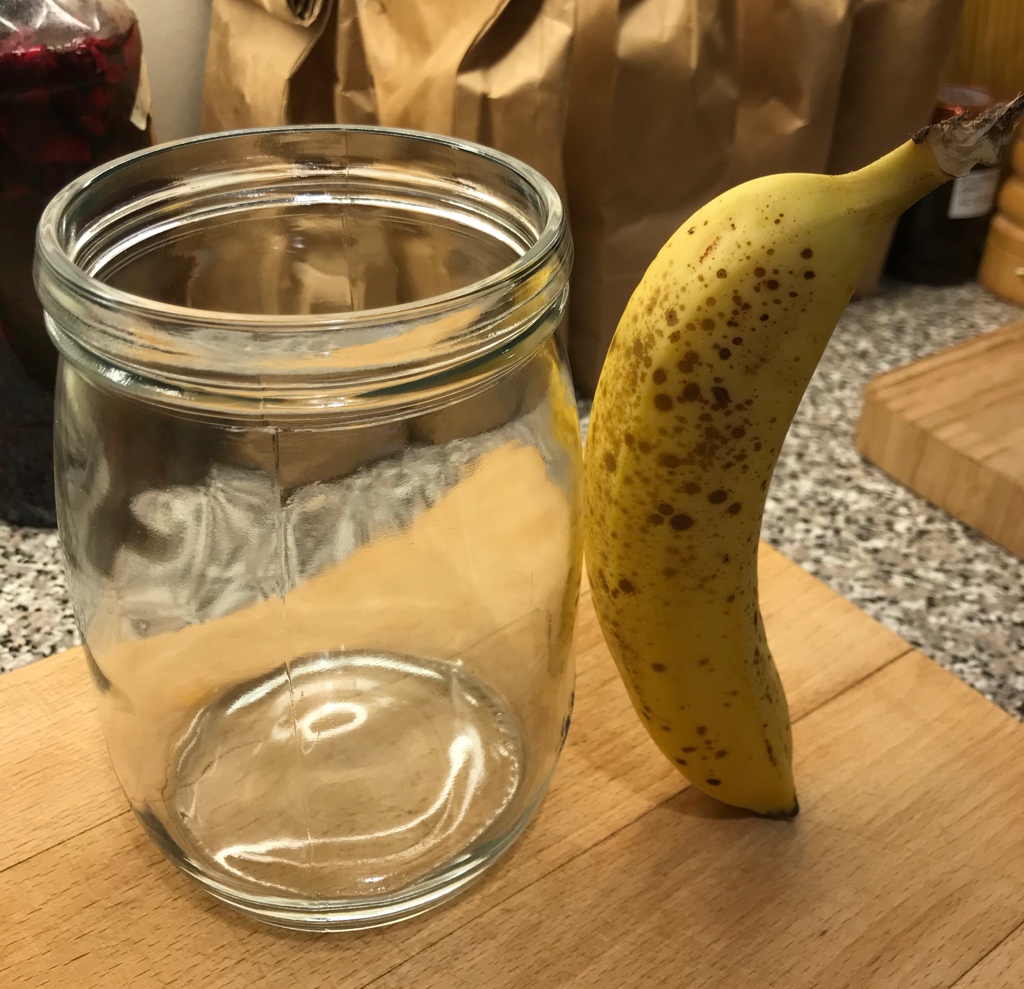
[(904, 869), (951, 428)]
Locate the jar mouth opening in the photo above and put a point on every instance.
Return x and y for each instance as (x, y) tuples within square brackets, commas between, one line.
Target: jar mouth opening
[(236, 215)]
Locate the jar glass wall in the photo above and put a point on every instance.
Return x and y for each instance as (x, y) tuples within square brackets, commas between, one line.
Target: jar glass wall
[(318, 467)]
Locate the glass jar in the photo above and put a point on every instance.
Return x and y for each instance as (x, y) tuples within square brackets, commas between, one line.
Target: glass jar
[(72, 96), (318, 468)]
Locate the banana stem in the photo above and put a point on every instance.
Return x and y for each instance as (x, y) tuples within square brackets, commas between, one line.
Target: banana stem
[(934, 155), (889, 185)]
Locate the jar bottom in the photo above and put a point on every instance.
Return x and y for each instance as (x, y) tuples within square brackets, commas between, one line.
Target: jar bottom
[(344, 790)]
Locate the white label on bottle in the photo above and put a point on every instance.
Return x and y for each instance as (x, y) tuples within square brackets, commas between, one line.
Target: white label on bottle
[(143, 100), (973, 194)]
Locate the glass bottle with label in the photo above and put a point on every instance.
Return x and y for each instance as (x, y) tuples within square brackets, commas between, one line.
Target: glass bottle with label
[(72, 96), (939, 240)]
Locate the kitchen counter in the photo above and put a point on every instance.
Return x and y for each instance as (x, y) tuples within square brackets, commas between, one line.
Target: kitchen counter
[(902, 869), (924, 575)]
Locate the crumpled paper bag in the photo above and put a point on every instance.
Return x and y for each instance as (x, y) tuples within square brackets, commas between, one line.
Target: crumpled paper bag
[(639, 111)]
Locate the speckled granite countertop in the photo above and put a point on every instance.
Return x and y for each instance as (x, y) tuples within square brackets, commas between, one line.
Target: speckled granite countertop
[(932, 580)]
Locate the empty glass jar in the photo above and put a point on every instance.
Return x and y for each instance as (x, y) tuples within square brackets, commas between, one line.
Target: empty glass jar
[(318, 474)]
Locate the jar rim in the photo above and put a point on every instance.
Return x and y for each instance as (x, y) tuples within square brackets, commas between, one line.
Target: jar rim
[(86, 313)]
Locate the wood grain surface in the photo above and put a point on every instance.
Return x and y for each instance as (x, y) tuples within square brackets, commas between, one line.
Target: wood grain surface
[(904, 869), (1003, 257), (951, 428)]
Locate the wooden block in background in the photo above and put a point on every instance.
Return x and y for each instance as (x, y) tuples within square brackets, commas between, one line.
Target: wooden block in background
[(1003, 257), (951, 428)]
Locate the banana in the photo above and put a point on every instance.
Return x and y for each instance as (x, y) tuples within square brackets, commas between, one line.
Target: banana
[(703, 377)]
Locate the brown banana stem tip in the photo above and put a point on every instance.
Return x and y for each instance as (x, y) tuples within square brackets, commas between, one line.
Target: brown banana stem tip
[(784, 815), (972, 138)]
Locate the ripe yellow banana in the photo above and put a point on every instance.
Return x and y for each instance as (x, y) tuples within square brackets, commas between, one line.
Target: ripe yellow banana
[(704, 374)]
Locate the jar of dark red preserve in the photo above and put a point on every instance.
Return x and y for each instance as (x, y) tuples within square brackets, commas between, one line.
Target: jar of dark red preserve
[(73, 95)]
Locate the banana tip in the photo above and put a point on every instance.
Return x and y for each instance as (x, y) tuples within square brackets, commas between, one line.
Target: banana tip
[(784, 815)]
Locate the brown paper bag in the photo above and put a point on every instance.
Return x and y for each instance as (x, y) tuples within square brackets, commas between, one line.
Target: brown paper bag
[(788, 104), (889, 91), (256, 48), (893, 65), (355, 99), (858, 77), (634, 174), (803, 85), (493, 71), (639, 111)]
